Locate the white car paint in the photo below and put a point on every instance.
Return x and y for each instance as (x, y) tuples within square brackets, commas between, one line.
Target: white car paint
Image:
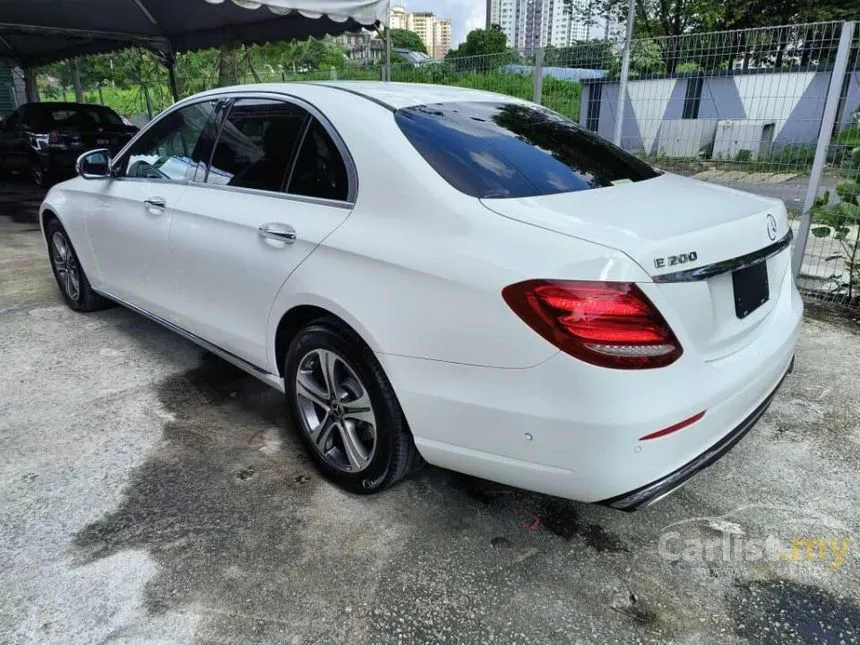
[(416, 268)]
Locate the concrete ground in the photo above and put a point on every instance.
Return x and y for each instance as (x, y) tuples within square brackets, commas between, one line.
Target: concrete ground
[(149, 493)]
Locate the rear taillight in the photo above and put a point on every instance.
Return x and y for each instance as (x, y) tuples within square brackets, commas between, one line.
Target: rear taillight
[(54, 138), (611, 324)]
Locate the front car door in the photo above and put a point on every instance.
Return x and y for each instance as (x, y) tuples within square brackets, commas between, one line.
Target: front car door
[(280, 182), (130, 215)]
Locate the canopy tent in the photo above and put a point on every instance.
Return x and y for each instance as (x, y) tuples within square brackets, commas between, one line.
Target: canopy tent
[(36, 32)]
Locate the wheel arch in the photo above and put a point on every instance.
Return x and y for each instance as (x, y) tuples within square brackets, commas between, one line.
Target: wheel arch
[(299, 315), (46, 215)]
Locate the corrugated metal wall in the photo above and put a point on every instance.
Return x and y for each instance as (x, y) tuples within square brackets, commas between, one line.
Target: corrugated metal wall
[(11, 88)]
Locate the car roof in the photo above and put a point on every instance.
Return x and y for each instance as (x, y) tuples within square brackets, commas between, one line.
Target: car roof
[(392, 95), (400, 95)]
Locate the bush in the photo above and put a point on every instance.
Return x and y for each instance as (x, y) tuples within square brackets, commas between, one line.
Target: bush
[(793, 155), (842, 223)]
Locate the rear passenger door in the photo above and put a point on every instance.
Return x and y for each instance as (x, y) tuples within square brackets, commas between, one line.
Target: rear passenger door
[(279, 182)]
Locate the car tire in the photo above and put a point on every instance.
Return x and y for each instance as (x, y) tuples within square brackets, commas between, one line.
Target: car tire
[(74, 285), (362, 448)]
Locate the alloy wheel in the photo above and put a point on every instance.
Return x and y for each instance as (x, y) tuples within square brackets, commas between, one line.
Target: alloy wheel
[(335, 410), (66, 266)]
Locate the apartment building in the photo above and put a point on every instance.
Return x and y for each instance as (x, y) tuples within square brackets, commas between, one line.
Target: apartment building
[(537, 23), (362, 47), (433, 31)]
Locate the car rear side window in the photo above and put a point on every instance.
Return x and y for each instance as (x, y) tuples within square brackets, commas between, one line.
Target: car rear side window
[(256, 144), (320, 170), (487, 149)]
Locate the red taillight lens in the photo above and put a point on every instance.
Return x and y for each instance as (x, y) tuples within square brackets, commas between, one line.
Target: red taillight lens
[(611, 324), (54, 138)]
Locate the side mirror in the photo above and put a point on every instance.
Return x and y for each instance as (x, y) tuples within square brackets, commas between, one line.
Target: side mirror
[(94, 164)]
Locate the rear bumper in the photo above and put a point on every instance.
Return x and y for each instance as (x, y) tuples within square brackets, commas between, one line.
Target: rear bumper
[(655, 491), (568, 429)]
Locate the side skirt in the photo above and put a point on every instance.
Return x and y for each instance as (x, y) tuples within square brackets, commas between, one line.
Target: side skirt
[(272, 380)]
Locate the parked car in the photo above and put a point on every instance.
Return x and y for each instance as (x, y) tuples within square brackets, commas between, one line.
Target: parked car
[(445, 275), (45, 139)]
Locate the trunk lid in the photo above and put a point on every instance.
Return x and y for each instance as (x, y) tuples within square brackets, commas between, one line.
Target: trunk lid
[(672, 224)]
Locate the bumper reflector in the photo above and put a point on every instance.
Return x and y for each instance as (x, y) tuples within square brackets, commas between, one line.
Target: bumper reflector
[(674, 428)]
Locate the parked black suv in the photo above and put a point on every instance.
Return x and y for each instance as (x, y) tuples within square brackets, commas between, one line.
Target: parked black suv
[(45, 139)]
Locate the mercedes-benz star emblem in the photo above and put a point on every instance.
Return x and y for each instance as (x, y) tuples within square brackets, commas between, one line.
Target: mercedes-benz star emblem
[(771, 227)]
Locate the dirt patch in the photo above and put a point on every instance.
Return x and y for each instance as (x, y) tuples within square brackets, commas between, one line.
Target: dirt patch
[(555, 515), (847, 320)]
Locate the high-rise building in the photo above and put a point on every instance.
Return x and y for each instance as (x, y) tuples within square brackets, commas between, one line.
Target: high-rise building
[(434, 32), (538, 23), (441, 38), (398, 18)]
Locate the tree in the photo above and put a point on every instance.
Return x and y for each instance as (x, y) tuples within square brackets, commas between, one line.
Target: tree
[(299, 55), (405, 39), (656, 18), (481, 42), (646, 58), (584, 54), (684, 25)]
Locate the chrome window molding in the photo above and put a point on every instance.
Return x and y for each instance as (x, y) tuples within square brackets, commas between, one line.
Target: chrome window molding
[(321, 201), (725, 266)]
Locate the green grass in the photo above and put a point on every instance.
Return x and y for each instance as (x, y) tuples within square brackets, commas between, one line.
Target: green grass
[(561, 96)]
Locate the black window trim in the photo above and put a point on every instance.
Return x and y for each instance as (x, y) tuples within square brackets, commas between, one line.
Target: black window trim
[(223, 112), (352, 174), (223, 100)]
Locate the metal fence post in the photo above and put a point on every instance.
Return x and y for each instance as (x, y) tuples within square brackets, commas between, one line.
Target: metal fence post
[(147, 100), (538, 75), (625, 73), (828, 119)]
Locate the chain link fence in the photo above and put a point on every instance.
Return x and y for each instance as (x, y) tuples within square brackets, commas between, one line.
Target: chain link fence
[(772, 111)]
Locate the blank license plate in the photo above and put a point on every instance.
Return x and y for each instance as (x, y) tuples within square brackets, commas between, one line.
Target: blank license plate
[(751, 289)]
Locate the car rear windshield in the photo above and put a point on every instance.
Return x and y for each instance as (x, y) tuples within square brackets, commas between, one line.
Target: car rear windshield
[(77, 116), (514, 150)]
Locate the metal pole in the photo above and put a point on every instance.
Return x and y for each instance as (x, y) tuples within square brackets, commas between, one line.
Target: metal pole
[(148, 102), (171, 77), (625, 72), (538, 72), (31, 89), (386, 75), (824, 134), (388, 53), (76, 81)]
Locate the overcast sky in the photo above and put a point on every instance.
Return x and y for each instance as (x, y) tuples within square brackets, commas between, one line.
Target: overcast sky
[(466, 14)]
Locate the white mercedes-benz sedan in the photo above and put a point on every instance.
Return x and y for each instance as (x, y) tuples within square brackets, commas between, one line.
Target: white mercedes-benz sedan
[(444, 275)]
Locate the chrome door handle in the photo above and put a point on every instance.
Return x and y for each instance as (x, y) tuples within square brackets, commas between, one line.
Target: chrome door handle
[(278, 231), (155, 202)]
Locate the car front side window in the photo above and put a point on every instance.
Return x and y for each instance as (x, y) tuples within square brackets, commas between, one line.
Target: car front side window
[(172, 148)]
